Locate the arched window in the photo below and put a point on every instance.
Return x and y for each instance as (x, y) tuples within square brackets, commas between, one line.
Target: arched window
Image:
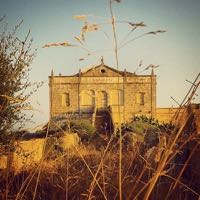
[(87, 98), (117, 97)]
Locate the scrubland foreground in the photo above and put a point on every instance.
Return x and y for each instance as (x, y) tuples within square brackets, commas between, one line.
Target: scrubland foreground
[(89, 169)]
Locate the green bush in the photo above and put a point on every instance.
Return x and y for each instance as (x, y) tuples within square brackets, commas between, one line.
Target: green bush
[(84, 128), (140, 125), (145, 129)]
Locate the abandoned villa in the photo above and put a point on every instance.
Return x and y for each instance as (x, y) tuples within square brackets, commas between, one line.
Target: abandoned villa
[(101, 89)]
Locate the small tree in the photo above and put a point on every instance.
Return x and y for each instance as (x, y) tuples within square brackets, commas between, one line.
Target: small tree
[(16, 56)]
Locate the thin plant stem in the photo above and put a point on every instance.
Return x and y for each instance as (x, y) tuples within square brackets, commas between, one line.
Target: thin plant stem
[(185, 165), (91, 173), (44, 146), (117, 66), (163, 161), (99, 167)]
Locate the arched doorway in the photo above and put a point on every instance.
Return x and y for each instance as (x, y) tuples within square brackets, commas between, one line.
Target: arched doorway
[(102, 99), (103, 120)]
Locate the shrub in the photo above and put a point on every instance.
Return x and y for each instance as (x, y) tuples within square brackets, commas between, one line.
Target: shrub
[(16, 56), (84, 128), (144, 129), (139, 126)]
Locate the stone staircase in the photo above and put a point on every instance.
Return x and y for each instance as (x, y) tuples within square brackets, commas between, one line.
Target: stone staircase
[(103, 121)]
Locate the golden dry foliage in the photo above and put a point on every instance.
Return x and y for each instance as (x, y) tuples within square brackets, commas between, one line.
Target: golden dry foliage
[(136, 25), (80, 17), (155, 32), (63, 44), (13, 99), (78, 39), (88, 28)]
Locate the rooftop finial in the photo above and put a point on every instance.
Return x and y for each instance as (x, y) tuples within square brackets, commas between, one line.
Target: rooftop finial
[(152, 72), (52, 72), (79, 73), (102, 60)]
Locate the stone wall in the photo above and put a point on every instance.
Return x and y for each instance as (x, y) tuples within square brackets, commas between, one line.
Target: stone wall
[(59, 86), (167, 114), (99, 82), (28, 153), (140, 85)]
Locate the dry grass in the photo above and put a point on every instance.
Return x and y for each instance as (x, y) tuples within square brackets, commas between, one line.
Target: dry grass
[(169, 170), (93, 174), (116, 171)]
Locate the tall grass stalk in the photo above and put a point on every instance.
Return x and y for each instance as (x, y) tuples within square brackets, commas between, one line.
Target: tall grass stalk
[(119, 115), (163, 161)]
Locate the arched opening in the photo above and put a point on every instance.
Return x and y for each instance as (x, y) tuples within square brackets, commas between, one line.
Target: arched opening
[(102, 99), (87, 98)]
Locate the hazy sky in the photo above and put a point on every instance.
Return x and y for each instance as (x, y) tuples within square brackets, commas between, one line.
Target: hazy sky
[(177, 51)]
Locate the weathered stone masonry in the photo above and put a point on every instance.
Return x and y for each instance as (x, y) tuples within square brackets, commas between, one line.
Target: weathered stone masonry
[(103, 87)]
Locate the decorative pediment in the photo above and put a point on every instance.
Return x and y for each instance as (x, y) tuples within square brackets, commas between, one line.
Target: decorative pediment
[(102, 70)]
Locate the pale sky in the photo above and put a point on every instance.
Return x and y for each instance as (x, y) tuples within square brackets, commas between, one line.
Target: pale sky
[(177, 51)]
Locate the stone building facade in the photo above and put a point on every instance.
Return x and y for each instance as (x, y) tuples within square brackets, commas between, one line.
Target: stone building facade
[(100, 88)]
